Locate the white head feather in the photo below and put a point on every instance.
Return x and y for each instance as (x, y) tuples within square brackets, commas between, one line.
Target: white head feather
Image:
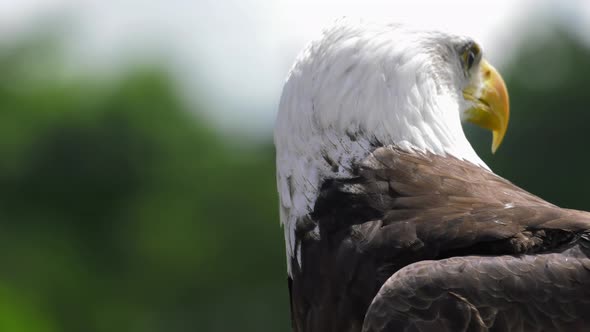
[(361, 86)]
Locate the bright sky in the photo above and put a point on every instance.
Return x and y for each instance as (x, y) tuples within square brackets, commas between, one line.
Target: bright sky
[(235, 54)]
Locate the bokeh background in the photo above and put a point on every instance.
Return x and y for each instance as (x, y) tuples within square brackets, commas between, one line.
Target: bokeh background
[(137, 188)]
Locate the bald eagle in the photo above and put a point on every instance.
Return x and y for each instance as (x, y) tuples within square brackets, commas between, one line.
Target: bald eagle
[(392, 221)]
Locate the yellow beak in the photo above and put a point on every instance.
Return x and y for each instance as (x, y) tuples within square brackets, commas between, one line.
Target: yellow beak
[(491, 108)]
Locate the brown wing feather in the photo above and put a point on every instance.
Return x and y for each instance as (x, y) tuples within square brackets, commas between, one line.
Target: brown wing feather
[(455, 204), (543, 292), (403, 208)]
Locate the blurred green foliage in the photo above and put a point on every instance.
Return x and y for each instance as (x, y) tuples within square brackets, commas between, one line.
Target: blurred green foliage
[(121, 210)]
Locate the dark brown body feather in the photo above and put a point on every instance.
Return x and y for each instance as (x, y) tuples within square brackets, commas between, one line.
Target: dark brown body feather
[(420, 242)]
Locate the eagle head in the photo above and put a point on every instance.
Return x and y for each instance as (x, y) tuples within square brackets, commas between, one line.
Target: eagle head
[(363, 85)]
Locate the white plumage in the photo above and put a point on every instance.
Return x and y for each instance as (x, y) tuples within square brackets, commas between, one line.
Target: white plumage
[(359, 84)]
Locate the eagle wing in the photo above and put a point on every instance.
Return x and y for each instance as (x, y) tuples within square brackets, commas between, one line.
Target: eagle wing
[(541, 292), (505, 260), (422, 242)]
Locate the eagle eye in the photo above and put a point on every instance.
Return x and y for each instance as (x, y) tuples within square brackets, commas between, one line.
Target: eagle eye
[(471, 55)]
